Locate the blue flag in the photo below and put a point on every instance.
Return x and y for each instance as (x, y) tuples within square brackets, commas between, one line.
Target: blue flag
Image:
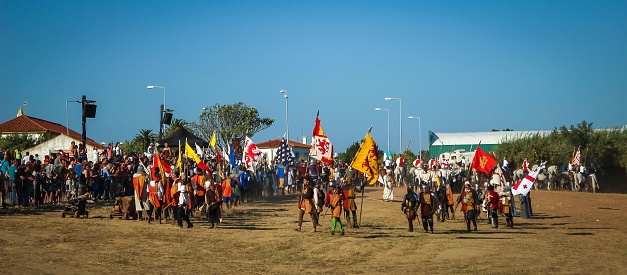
[(284, 153), (232, 157)]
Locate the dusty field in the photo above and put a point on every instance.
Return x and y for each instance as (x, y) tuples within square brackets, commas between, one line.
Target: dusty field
[(571, 233)]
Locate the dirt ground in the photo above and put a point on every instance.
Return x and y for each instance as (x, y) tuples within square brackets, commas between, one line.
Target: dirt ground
[(570, 233)]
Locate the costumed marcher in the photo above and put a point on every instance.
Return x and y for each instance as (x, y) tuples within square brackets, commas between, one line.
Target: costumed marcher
[(409, 207), (388, 186), (427, 202), (334, 202), (155, 197), (469, 201), (493, 206), (214, 213), (306, 204), (227, 191), (450, 203), (184, 206), (442, 202), (198, 181), (318, 199), (506, 207), (350, 207), (139, 182)]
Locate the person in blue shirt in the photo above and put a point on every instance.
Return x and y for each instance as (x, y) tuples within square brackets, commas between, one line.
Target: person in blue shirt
[(280, 172), (244, 179)]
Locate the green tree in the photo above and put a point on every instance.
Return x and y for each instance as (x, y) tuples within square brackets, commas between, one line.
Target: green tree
[(348, 155), (229, 122), (25, 141), (143, 139)]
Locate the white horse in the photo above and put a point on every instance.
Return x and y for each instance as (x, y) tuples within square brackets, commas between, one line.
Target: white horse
[(399, 176)]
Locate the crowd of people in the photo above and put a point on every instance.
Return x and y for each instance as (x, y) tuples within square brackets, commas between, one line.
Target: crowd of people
[(186, 190)]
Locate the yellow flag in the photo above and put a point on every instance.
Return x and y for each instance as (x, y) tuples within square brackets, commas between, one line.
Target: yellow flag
[(189, 152), (213, 140), (366, 159), (179, 160)]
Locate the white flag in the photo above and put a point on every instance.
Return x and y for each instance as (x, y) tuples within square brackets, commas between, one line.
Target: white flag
[(524, 185), (251, 154)]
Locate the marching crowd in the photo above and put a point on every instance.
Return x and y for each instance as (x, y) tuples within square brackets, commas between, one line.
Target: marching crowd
[(160, 192)]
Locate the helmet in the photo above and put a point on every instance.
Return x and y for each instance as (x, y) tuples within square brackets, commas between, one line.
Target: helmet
[(426, 187)]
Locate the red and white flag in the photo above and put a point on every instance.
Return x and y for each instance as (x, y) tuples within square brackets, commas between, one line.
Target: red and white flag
[(523, 186), (577, 158), (251, 154), (400, 161), (321, 147)]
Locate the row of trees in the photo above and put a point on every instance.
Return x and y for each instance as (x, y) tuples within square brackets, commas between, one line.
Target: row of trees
[(606, 148)]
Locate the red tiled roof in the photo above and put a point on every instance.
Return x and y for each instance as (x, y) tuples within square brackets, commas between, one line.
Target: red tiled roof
[(26, 124), (274, 143)]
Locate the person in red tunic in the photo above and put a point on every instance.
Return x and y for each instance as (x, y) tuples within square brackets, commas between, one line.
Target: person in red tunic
[(493, 199)]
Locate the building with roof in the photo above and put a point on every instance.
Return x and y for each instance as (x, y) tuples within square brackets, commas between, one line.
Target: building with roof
[(444, 143), (270, 147), (60, 136)]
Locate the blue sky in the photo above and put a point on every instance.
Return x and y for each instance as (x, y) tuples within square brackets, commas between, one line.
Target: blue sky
[(462, 66)]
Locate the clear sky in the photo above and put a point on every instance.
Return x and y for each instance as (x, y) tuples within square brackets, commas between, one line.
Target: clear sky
[(461, 66)]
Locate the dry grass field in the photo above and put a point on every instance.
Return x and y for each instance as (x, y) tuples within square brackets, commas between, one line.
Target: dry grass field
[(570, 233)]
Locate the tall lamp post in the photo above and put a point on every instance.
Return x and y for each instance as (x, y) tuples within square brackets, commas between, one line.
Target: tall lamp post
[(163, 108), (400, 117), (287, 125), (419, 135), (382, 109)]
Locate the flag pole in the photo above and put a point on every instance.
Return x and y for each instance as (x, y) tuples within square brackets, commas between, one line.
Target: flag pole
[(361, 204)]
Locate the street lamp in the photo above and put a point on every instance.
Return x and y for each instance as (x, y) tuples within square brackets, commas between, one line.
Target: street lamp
[(287, 126), (162, 109), (419, 135), (381, 109), (400, 117)]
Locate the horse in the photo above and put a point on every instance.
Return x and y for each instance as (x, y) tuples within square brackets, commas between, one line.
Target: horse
[(552, 173), (399, 176)]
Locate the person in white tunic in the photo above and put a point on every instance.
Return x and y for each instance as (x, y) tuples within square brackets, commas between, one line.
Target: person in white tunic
[(388, 187), (182, 189)]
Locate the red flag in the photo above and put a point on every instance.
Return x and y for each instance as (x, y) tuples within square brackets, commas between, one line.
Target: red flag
[(157, 162), (483, 162)]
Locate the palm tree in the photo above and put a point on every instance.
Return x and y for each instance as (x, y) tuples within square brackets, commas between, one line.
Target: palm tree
[(144, 138)]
